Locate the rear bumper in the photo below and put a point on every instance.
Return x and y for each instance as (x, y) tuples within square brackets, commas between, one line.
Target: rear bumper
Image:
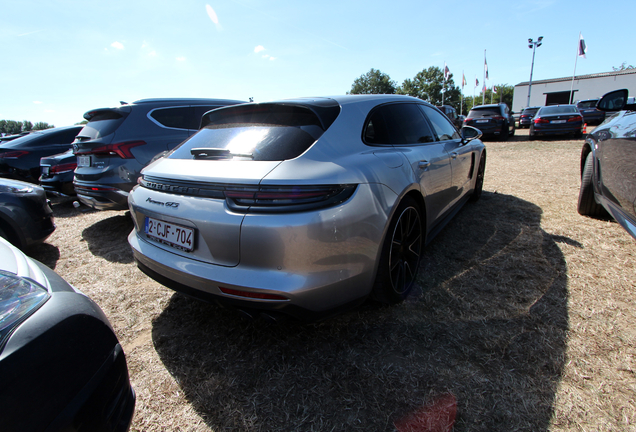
[(101, 197)]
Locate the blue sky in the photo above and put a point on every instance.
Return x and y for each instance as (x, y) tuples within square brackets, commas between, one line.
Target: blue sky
[(63, 58)]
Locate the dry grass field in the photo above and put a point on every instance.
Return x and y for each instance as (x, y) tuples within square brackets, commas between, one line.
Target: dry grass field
[(524, 316)]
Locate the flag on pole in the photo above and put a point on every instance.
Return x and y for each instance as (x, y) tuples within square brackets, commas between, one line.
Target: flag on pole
[(476, 82), (463, 80), (446, 72), (494, 89), (484, 89), (582, 46), (486, 67)]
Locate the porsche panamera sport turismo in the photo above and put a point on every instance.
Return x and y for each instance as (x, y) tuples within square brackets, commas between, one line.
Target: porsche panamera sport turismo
[(304, 207)]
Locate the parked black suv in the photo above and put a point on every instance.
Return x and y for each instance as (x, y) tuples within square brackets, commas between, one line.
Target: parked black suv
[(493, 120), (591, 115), (117, 143), (451, 113)]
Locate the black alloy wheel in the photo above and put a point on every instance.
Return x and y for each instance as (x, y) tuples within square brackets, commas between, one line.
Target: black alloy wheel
[(401, 254)]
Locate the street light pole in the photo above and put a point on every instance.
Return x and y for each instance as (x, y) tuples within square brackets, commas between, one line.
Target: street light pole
[(533, 45)]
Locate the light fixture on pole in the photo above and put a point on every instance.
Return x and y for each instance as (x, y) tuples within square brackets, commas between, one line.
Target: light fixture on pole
[(533, 45)]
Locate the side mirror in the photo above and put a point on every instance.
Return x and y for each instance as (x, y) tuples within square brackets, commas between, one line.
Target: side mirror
[(470, 133), (613, 101)]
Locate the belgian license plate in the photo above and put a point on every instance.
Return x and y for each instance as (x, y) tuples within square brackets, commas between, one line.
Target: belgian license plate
[(83, 161), (481, 121), (171, 234), (45, 170), (557, 121)]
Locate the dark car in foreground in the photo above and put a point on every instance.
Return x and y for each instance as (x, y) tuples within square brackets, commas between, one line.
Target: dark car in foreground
[(20, 158), (58, 172), (591, 115), (117, 143), (494, 120), (61, 366), (26, 218), (557, 120), (608, 164), (525, 119), (304, 207)]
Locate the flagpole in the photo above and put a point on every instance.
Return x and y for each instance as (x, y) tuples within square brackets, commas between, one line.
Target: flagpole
[(576, 59), (461, 100), (444, 83), (483, 98)]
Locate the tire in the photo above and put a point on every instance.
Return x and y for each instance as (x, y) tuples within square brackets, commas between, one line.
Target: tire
[(531, 136), (513, 131), (505, 134), (400, 255), (479, 181), (587, 205)]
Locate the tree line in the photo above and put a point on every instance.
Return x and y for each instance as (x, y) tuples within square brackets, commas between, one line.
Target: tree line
[(12, 127), (430, 85)]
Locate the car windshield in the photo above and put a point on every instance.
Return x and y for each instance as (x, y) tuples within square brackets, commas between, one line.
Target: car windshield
[(587, 104), (530, 111), (569, 109), (259, 133), (484, 112)]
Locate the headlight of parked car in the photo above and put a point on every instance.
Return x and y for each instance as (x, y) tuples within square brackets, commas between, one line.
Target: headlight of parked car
[(19, 298)]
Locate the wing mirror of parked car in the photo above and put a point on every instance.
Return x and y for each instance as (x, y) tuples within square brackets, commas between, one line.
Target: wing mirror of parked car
[(470, 133), (613, 101)]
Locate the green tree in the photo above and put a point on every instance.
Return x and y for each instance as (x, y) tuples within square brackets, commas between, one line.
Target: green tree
[(622, 67), (373, 82), (42, 126), (27, 126), (428, 85), (12, 127)]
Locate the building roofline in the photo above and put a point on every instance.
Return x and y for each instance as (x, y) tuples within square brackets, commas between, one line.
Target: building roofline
[(580, 77)]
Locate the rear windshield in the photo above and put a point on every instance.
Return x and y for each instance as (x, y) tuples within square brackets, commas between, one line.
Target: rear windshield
[(587, 104), (484, 112), (558, 110), (530, 111), (101, 123), (268, 132)]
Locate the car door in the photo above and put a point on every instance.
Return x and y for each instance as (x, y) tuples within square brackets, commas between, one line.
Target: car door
[(461, 155), (403, 125), (618, 162)]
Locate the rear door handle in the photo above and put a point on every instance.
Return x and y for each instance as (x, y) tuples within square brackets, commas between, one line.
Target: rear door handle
[(454, 155)]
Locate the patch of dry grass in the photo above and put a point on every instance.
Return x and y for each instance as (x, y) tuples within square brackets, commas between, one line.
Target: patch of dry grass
[(524, 313)]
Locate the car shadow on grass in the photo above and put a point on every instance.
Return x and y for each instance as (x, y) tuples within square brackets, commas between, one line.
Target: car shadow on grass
[(486, 328), (108, 238)]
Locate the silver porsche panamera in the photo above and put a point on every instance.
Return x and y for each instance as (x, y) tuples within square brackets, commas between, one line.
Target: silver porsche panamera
[(304, 207)]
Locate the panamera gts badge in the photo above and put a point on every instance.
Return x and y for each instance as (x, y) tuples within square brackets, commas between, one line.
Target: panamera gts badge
[(165, 204)]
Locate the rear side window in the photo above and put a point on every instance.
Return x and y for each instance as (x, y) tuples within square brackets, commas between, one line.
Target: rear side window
[(177, 117), (268, 132), (397, 124), (62, 137)]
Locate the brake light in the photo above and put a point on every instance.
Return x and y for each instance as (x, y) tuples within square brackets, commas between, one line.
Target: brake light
[(575, 119), (538, 120), (286, 198), (122, 149), (13, 154), (62, 168), (255, 295), (498, 118)]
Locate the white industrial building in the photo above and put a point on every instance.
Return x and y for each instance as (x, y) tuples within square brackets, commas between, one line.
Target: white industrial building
[(557, 90)]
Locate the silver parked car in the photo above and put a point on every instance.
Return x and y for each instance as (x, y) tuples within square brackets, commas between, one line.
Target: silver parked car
[(305, 206)]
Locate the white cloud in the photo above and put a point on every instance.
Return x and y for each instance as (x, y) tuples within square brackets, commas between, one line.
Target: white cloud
[(181, 59), (212, 14), (152, 53), (272, 58), (259, 49), (117, 45)]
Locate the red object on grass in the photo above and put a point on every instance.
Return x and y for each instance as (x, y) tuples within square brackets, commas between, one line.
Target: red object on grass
[(437, 416)]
